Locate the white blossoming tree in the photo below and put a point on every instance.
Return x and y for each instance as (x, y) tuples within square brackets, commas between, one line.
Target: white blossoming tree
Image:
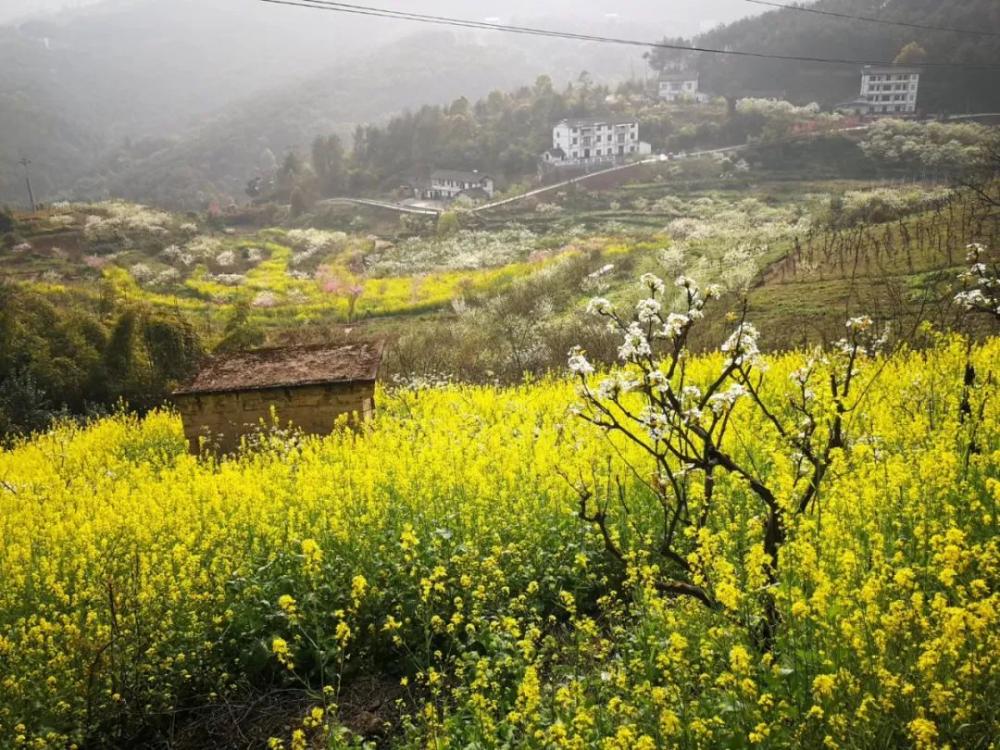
[(685, 429), (980, 295), (982, 284)]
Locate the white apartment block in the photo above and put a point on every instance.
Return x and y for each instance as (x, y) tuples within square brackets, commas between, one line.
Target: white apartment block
[(594, 140), (890, 89)]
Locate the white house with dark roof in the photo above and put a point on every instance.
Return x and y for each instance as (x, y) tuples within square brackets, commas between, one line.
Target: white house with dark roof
[(448, 184), (594, 140), (681, 86)]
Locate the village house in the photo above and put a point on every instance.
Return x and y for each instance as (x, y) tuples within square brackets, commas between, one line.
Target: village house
[(448, 184), (594, 140), (308, 387), (885, 90), (681, 86)]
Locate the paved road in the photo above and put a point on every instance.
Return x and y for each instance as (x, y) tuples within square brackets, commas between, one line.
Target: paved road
[(398, 207)]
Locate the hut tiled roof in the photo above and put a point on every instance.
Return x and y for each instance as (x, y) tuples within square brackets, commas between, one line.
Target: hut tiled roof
[(286, 367)]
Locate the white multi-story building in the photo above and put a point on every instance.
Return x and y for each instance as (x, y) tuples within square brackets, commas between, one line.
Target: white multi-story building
[(679, 86), (886, 90), (593, 140)]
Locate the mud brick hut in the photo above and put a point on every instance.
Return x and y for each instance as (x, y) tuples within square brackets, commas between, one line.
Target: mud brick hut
[(308, 386)]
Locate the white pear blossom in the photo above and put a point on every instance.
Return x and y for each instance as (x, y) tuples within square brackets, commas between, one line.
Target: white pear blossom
[(685, 282), (168, 276), (140, 272), (636, 345), (742, 346), (859, 324), (983, 282), (265, 299), (578, 363), (226, 258), (974, 250), (971, 299), (654, 282), (801, 375), (722, 401), (655, 422), (612, 387), (672, 259), (599, 306), (692, 392), (658, 380), (692, 414), (647, 310), (602, 271), (673, 325)]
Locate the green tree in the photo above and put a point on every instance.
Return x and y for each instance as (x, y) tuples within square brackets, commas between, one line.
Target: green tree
[(663, 58), (448, 224), (911, 54), (173, 347), (298, 201), (24, 407), (128, 371), (329, 165), (241, 333), (7, 222)]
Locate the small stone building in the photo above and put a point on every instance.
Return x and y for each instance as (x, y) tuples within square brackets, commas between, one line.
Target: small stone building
[(307, 386)]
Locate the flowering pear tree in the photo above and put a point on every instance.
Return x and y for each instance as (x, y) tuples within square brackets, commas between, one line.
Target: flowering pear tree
[(981, 294), (684, 427), (982, 284)]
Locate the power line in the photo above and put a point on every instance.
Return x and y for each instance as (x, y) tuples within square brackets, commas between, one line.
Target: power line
[(363, 10), (873, 19)]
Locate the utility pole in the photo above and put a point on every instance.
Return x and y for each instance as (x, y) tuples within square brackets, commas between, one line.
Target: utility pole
[(27, 179)]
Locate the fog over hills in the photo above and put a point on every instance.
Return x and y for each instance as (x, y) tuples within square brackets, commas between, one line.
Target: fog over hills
[(170, 102), (96, 86)]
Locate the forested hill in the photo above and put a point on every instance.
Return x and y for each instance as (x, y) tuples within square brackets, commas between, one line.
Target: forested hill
[(793, 32)]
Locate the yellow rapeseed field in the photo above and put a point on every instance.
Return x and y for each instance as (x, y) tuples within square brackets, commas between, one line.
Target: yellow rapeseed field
[(440, 548)]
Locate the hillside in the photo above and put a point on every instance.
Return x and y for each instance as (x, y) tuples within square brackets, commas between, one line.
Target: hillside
[(497, 298), (791, 32)]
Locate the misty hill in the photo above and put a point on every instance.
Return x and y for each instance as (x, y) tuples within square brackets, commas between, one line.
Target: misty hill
[(81, 82), (91, 91), (173, 103)]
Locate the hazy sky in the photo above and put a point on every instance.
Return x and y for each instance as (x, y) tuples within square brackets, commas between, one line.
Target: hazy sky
[(11, 10), (707, 12)]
